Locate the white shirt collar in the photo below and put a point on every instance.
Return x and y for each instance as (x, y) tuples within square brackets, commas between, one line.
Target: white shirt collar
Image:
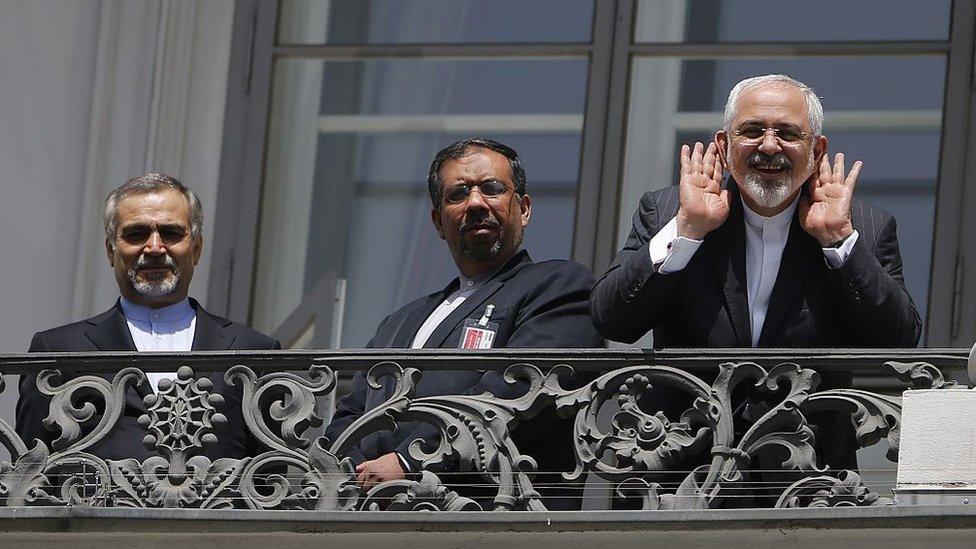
[(170, 313), (782, 218)]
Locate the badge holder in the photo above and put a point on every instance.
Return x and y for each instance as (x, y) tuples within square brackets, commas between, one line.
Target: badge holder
[(479, 334)]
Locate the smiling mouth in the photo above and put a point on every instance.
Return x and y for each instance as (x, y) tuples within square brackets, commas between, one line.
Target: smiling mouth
[(154, 273), (769, 169)]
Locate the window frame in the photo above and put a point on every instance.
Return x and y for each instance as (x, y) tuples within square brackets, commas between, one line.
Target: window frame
[(610, 53)]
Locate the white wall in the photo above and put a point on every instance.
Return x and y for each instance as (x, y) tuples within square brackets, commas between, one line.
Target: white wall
[(93, 92), (48, 50)]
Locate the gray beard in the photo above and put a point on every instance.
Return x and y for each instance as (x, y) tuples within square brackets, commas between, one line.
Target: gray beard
[(768, 193), (154, 288)]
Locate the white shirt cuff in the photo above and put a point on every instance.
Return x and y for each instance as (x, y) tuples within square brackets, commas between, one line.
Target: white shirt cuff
[(836, 257), (403, 463), (669, 252)]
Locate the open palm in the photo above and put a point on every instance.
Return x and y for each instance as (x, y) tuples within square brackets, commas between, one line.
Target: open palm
[(825, 213), (704, 205)]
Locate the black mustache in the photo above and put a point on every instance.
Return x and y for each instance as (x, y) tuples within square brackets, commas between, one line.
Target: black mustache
[(779, 159), (487, 222)]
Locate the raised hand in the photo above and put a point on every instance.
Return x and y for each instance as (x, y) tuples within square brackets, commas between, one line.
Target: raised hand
[(703, 204), (825, 213)]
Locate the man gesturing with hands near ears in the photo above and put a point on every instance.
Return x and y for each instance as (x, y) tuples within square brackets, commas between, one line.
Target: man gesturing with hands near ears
[(780, 254)]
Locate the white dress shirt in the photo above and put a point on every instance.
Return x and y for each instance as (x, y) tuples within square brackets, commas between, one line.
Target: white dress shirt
[(765, 241), (168, 328), (468, 286)]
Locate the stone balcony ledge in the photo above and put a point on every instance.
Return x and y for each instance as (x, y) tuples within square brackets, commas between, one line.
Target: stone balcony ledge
[(907, 526)]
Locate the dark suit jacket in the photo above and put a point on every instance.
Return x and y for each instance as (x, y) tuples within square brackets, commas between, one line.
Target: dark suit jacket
[(863, 303), (536, 305), (109, 332)]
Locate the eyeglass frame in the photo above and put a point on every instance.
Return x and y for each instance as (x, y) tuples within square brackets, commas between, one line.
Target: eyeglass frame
[(479, 185), (803, 136)]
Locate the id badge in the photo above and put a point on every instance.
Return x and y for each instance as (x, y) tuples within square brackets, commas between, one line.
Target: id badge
[(479, 334)]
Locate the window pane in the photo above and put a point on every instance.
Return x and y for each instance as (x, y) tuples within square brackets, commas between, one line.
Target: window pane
[(884, 111), (345, 186), (711, 21), (433, 21)]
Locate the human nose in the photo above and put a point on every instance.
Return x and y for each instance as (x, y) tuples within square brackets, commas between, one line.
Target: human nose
[(476, 199), (769, 142), (154, 245)]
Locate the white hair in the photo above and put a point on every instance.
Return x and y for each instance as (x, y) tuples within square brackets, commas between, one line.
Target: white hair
[(814, 107)]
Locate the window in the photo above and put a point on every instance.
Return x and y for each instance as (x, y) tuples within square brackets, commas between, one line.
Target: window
[(344, 103)]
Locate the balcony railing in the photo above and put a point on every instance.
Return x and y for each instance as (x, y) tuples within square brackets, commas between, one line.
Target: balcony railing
[(666, 430)]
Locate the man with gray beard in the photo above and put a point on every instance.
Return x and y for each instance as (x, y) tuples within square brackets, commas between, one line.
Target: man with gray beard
[(153, 239), (780, 254)]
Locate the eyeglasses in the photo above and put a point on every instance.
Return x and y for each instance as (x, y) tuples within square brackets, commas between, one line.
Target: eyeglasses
[(490, 189), (752, 135)]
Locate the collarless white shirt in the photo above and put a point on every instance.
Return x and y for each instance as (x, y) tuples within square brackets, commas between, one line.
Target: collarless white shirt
[(168, 328), (467, 287), (765, 241)]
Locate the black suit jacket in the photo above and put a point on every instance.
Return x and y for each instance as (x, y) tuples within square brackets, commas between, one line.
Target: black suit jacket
[(109, 332), (536, 305), (863, 303)]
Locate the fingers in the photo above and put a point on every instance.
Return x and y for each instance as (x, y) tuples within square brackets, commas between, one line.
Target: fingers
[(708, 168), (838, 172), (708, 162), (852, 176), (717, 172), (696, 158), (364, 474), (685, 159), (823, 176), (363, 478)]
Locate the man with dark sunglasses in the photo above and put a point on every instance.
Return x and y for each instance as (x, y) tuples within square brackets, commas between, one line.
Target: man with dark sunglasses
[(500, 298)]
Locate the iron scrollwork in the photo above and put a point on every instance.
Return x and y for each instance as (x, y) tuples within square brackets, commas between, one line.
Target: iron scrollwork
[(692, 448)]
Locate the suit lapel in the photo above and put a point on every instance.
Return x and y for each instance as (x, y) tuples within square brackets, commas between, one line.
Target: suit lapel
[(416, 317), (799, 260), (209, 334), (453, 320), (477, 299), (109, 331), (727, 248)]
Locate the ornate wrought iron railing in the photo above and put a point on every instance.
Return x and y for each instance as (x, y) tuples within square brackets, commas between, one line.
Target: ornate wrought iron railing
[(734, 406)]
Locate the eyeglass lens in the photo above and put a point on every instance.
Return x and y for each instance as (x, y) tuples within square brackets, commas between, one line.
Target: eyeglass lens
[(490, 188), (788, 134)]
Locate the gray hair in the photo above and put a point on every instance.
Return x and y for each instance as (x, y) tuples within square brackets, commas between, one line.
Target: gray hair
[(814, 108), (150, 183)]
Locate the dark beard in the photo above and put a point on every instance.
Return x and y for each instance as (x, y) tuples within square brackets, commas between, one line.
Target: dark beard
[(480, 251)]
